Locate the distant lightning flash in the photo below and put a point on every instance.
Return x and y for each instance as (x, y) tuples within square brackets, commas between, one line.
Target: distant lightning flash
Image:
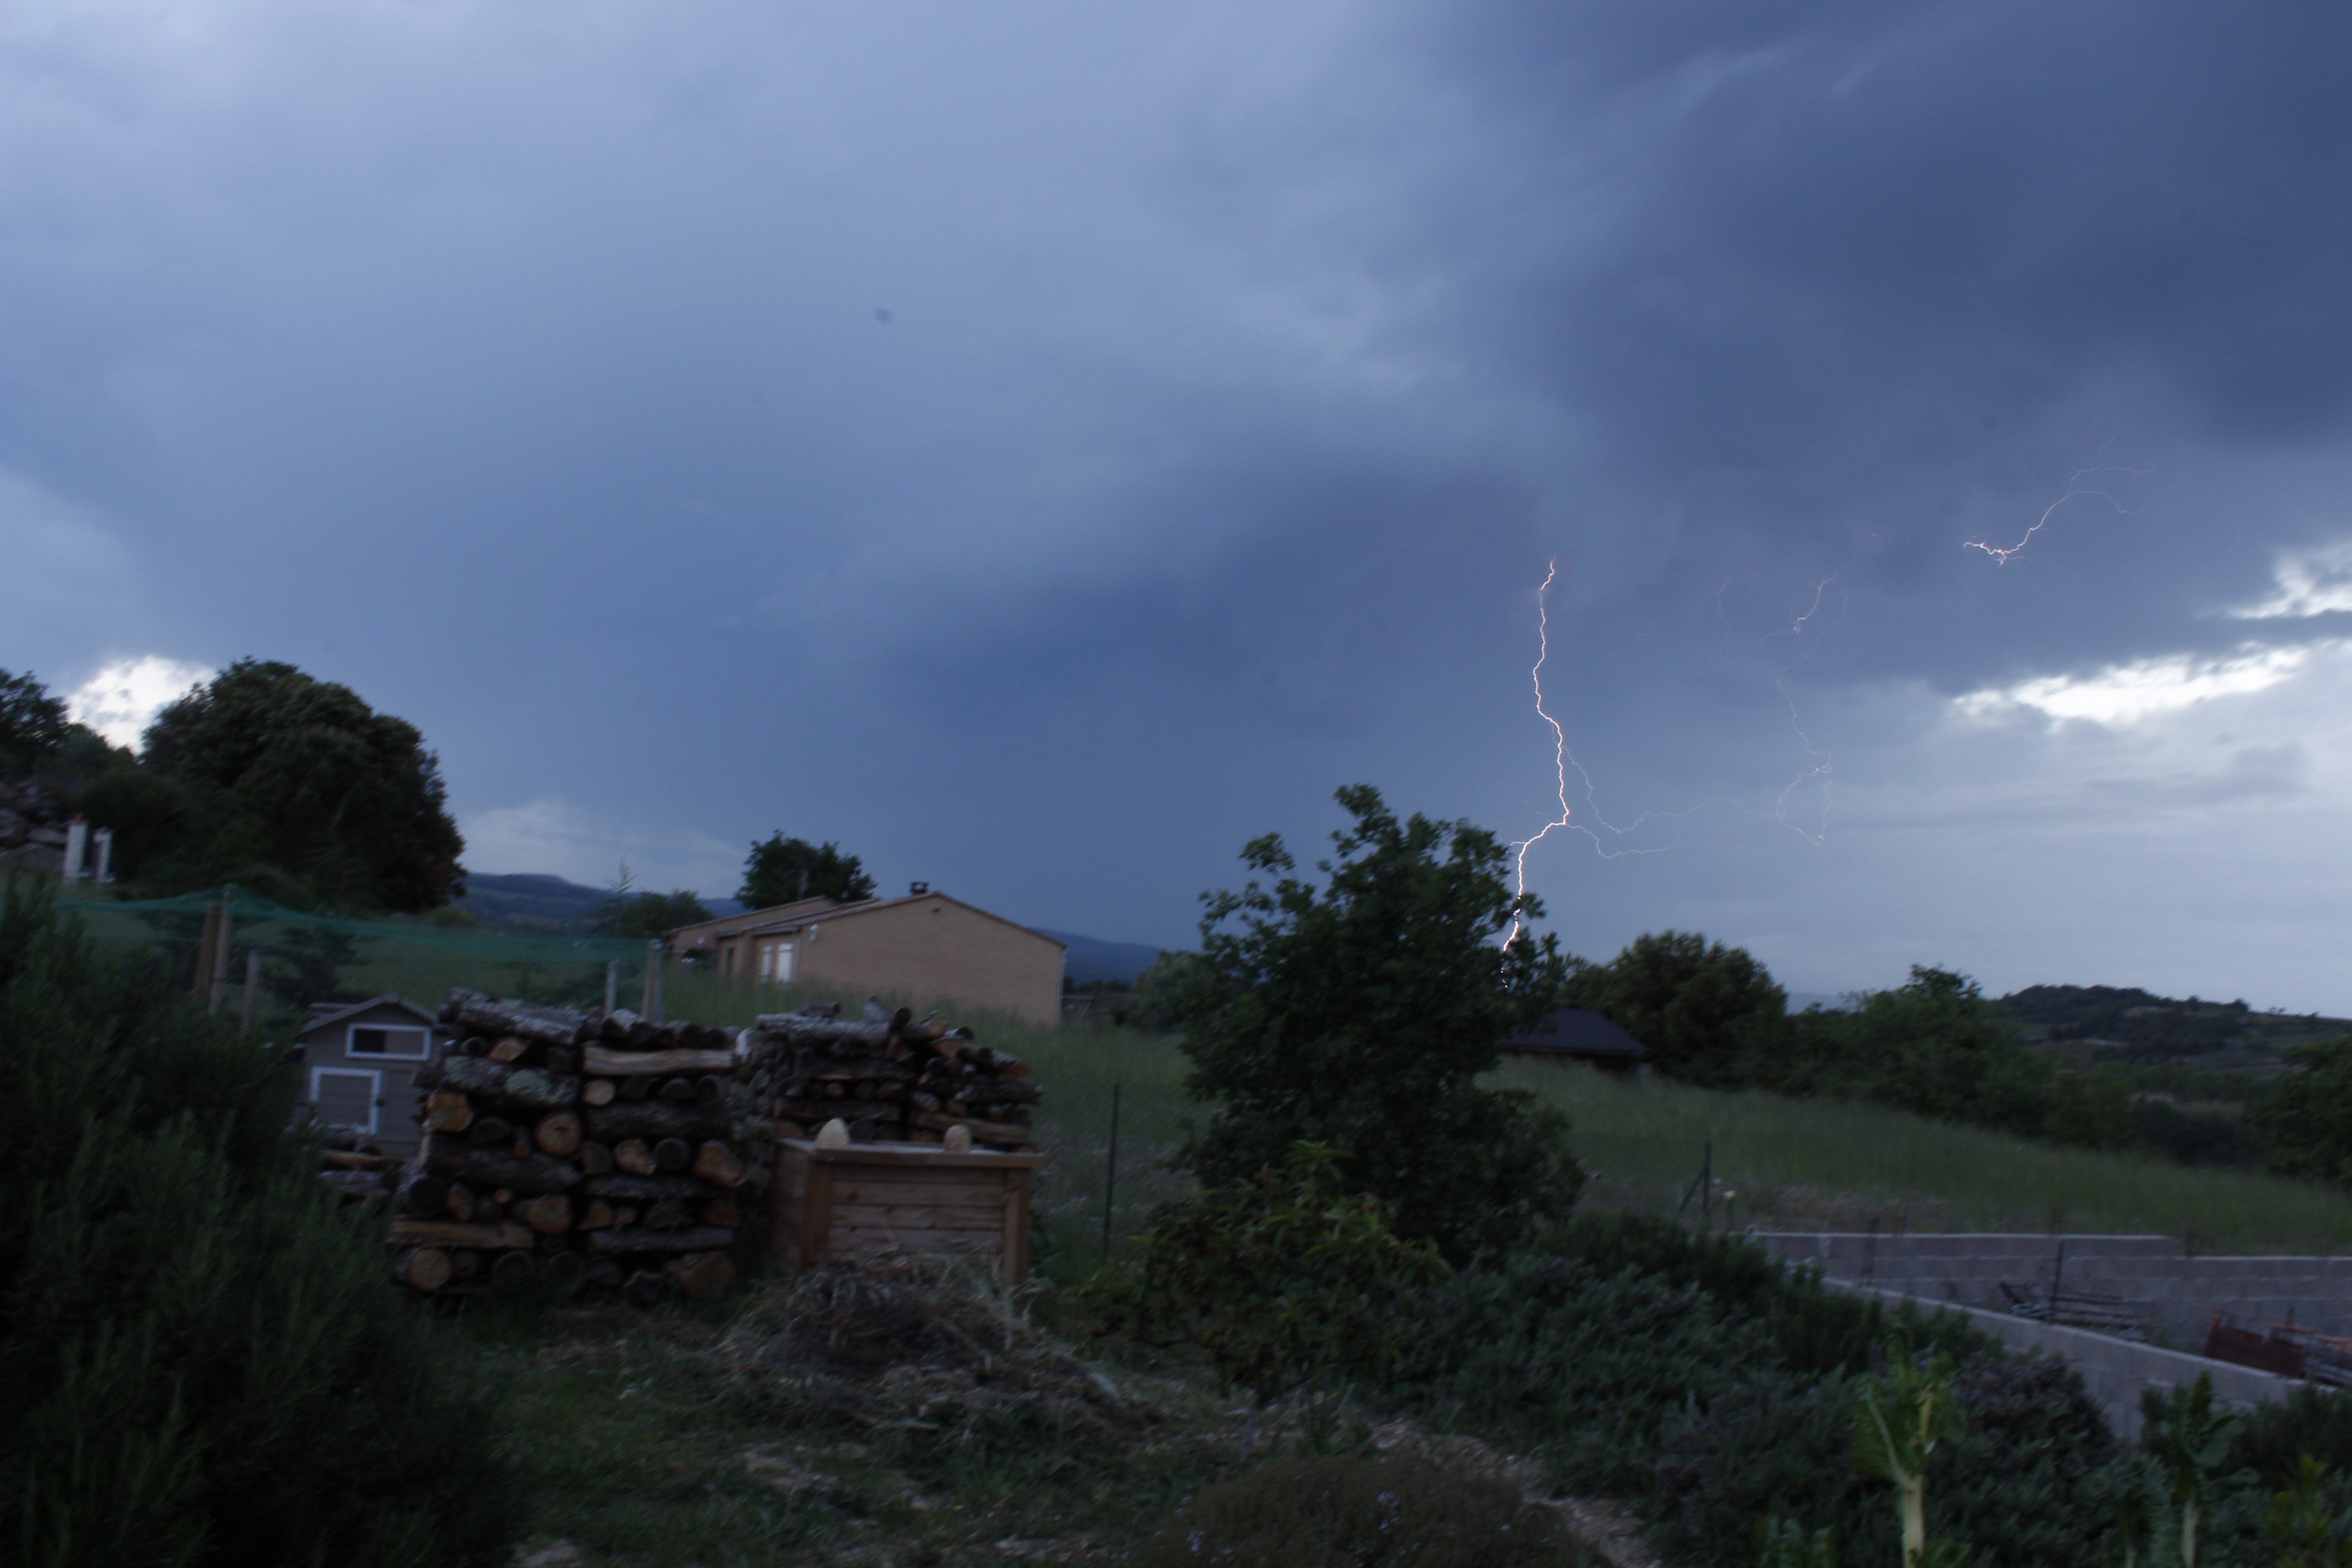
[(2074, 488)]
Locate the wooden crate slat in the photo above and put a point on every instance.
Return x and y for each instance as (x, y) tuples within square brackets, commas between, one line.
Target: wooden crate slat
[(917, 1216)]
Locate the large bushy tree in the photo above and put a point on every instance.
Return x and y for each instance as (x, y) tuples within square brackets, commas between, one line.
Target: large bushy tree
[(1692, 1001), (1360, 1014), (271, 777), (781, 870), (32, 724), (200, 1361), (2307, 1116)]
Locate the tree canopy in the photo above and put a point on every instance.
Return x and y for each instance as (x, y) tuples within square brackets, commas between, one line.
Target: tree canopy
[(630, 911), (2308, 1116), (1358, 1016), (32, 724), (1690, 1001), (781, 870), (271, 777)]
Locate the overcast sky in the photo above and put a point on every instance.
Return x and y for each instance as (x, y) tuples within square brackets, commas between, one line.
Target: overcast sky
[(1041, 448)]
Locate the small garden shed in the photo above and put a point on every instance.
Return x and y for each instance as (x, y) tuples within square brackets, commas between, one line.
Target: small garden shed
[(360, 1061)]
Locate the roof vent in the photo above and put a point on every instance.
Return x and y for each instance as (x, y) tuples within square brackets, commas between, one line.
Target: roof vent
[(914, 888)]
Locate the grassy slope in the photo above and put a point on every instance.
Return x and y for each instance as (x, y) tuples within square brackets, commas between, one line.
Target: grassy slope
[(1794, 1164), (1809, 1163)]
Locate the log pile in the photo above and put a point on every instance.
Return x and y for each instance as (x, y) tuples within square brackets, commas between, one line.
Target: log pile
[(358, 1170), (887, 1077), (571, 1148)]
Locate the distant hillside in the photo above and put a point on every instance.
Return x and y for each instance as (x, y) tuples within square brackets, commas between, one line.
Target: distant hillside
[(534, 902), (531, 902), (2114, 1023), (1090, 959)]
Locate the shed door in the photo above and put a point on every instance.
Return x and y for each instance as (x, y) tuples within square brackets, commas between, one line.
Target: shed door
[(346, 1096)]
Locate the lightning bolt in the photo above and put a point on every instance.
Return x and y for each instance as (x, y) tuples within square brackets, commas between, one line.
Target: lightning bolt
[(1560, 757), (1564, 758), (2073, 489)]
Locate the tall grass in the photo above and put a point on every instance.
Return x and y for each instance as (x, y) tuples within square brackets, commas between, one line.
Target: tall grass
[(1815, 1162)]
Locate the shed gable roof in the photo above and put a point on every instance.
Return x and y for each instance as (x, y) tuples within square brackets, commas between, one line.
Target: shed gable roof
[(343, 1015), (1577, 1031)]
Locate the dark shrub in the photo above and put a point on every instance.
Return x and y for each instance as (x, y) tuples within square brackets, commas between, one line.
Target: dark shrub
[(2030, 1483), (200, 1360), (1362, 1513), (1545, 1354)]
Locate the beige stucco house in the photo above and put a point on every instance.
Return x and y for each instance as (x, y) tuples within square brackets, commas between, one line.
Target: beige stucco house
[(926, 947)]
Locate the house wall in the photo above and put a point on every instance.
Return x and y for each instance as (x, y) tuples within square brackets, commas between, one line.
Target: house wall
[(327, 1059), (935, 948)]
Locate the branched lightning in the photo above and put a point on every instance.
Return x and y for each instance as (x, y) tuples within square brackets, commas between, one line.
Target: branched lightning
[(1560, 757), (2073, 489), (1564, 758)]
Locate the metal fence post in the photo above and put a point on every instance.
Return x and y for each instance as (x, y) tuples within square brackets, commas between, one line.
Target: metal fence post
[(1110, 1173), (218, 985), (654, 950), (612, 987)]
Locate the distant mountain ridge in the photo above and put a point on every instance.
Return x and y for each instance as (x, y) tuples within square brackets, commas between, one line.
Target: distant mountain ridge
[(554, 906), (534, 901)]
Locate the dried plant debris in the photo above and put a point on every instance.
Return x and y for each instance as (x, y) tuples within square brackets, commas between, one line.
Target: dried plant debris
[(933, 1347)]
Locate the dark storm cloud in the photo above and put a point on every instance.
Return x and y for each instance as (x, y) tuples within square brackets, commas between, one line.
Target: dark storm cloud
[(1045, 446)]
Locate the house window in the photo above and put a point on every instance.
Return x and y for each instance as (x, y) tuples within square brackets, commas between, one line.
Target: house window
[(378, 1040), (776, 962), (346, 1096)]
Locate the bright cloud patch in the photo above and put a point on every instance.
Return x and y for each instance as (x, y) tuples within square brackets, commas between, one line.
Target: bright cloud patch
[(123, 699), (2311, 585), (555, 836), (2123, 693)]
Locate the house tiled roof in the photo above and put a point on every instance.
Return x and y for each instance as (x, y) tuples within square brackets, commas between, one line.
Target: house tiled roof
[(1578, 1031)]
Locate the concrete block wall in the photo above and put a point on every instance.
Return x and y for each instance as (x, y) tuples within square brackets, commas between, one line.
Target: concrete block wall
[(2177, 1298), (2117, 1371)]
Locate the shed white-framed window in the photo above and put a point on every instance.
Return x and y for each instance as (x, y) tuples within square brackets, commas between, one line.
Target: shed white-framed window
[(410, 1042), (776, 962), (347, 1096)]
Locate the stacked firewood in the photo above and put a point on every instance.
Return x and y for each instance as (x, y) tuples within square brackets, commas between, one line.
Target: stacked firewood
[(887, 1076), (573, 1148), (357, 1169)]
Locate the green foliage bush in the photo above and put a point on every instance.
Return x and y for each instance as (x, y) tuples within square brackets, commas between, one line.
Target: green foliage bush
[(1277, 1280), (1362, 1513), (1935, 1047), (1359, 1015), (2029, 1484), (200, 1361), (2307, 1117)]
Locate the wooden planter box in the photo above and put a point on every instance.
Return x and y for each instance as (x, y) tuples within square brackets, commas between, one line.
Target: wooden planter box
[(905, 1197)]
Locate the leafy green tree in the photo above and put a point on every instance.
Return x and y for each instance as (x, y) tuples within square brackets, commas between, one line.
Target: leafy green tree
[(1276, 1278), (1167, 994), (652, 915), (290, 784), (1935, 1047), (781, 870), (1690, 1001), (2307, 1116), (200, 1363), (1359, 1015), (32, 724)]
